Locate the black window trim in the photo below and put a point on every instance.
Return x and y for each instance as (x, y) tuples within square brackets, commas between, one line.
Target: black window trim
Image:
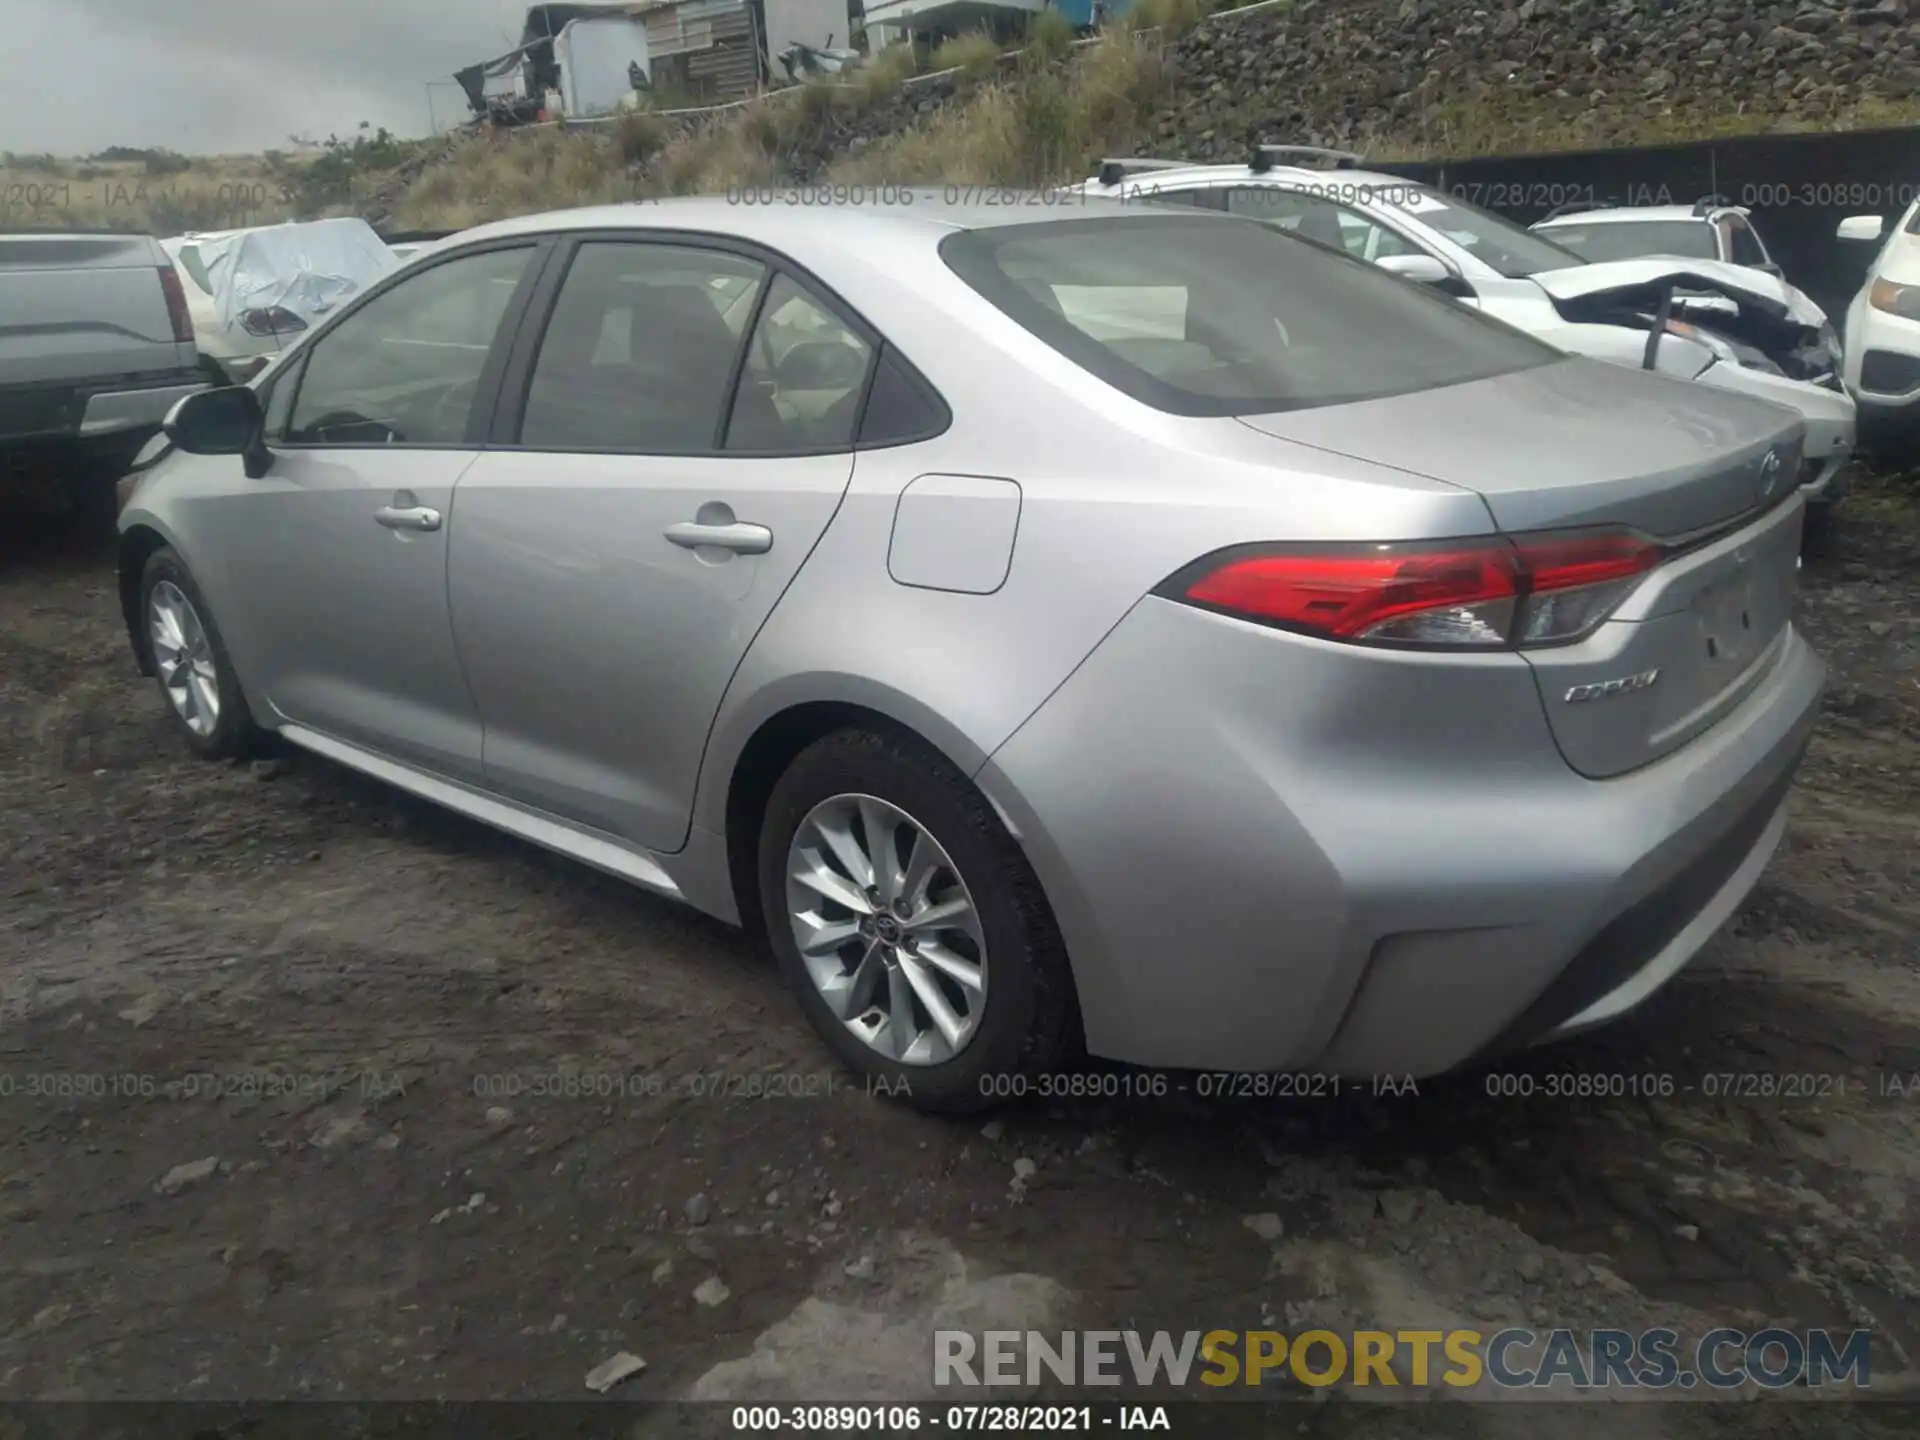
[(491, 371), (509, 411)]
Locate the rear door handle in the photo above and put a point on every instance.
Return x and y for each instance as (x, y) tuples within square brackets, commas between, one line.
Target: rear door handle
[(408, 517), (742, 539)]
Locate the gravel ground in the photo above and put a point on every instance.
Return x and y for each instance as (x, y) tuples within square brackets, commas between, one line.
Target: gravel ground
[(375, 1219)]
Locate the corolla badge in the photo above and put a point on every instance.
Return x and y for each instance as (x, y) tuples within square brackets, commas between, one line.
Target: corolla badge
[(1769, 474), (1607, 689)]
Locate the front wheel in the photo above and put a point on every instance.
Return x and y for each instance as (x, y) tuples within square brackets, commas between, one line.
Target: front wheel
[(909, 924), (190, 661)]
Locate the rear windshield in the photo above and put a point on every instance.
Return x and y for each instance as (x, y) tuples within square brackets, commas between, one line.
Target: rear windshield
[(1209, 315), (1603, 240)]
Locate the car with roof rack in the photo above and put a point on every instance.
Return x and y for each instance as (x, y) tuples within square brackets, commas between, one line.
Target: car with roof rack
[(1720, 325), (1712, 228)]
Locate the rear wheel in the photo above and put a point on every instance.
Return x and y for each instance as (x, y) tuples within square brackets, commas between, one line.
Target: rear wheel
[(909, 924), (190, 661)]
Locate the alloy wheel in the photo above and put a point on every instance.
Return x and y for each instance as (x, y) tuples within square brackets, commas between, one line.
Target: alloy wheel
[(184, 657), (887, 929)]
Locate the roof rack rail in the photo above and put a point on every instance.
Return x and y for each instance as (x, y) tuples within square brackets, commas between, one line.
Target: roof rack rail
[(1261, 160), (1114, 170), (1706, 204)]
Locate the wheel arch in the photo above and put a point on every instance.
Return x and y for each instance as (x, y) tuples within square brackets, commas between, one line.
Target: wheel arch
[(756, 753), (138, 542)]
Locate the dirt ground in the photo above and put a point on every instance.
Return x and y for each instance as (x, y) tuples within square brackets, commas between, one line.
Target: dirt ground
[(259, 1026)]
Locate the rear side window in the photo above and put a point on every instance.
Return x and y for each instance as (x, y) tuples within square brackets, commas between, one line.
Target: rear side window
[(641, 351), (804, 376), (1198, 315), (1747, 249)]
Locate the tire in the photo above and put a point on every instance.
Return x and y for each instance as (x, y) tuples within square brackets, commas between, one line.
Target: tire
[(1024, 1026), (232, 732)]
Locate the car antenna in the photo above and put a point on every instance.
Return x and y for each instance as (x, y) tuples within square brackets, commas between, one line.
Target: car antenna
[(1114, 170)]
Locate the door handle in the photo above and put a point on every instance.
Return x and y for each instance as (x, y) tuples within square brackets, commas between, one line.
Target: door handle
[(740, 538), (410, 517)]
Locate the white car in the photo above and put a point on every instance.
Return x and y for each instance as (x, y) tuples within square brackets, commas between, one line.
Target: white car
[(1708, 230), (1883, 323), (252, 292), (1704, 320)]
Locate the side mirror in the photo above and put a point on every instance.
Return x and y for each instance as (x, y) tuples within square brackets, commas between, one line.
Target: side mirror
[(223, 421), (1862, 227), (1425, 268)]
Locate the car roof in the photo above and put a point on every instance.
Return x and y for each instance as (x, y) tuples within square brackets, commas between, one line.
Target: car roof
[(1615, 214), (858, 214), (1244, 174)]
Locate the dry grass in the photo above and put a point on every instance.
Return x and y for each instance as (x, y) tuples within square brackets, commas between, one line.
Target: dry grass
[(1045, 127), (975, 55), (205, 193), (516, 174)]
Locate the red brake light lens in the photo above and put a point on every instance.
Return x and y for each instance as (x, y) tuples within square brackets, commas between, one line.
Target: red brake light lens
[(1490, 593), (177, 312)]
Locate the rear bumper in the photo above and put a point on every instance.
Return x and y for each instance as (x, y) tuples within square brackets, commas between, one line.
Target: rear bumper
[(1284, 854)]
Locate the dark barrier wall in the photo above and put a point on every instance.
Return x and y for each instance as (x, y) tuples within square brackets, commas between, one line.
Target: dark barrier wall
[(1799, 188)]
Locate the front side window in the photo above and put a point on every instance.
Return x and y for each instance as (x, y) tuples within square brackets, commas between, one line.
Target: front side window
[(1496, 242), (1203, 315), (405, 367), (1318, 218), (639, 354), (804, 376)]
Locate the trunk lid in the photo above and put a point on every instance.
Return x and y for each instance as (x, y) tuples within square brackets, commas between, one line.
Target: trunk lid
[(1578, 442), (1584, 443)]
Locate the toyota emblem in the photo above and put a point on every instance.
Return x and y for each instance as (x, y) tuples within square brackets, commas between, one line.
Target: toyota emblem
[(1769, 474)]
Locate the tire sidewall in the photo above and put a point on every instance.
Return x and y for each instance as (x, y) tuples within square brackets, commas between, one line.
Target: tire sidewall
[(233, 731), (943, 805)]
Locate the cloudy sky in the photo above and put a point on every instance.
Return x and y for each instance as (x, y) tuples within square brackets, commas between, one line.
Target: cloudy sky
[(222, 76)]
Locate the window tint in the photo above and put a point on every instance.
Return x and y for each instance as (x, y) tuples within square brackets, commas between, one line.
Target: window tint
[(1203, 316), (900, 406), (404, 368), (640, 351), (1493, 240), (1747, 249), (1601, 240), (1319, 219), (803, 379)]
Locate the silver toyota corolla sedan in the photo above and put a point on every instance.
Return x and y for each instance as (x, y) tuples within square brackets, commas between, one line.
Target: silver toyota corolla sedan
[(1045, 624)]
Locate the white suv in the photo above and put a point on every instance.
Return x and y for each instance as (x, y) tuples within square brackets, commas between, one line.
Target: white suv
[(1704, 320), (1709, 230), (1883, 323)]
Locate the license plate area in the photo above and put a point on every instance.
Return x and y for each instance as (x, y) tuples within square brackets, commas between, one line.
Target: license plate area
[(1734, 624)]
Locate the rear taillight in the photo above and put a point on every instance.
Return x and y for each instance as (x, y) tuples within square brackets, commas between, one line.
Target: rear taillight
[(271, 320), (177, 311), (1490, 593)]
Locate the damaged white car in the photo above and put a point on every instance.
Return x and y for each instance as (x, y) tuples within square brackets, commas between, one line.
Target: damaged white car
[(253, 292), (1703, 320)]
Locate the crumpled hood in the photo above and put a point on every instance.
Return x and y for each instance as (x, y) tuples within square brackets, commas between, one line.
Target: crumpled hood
[(1641, 281), (308, 267)]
